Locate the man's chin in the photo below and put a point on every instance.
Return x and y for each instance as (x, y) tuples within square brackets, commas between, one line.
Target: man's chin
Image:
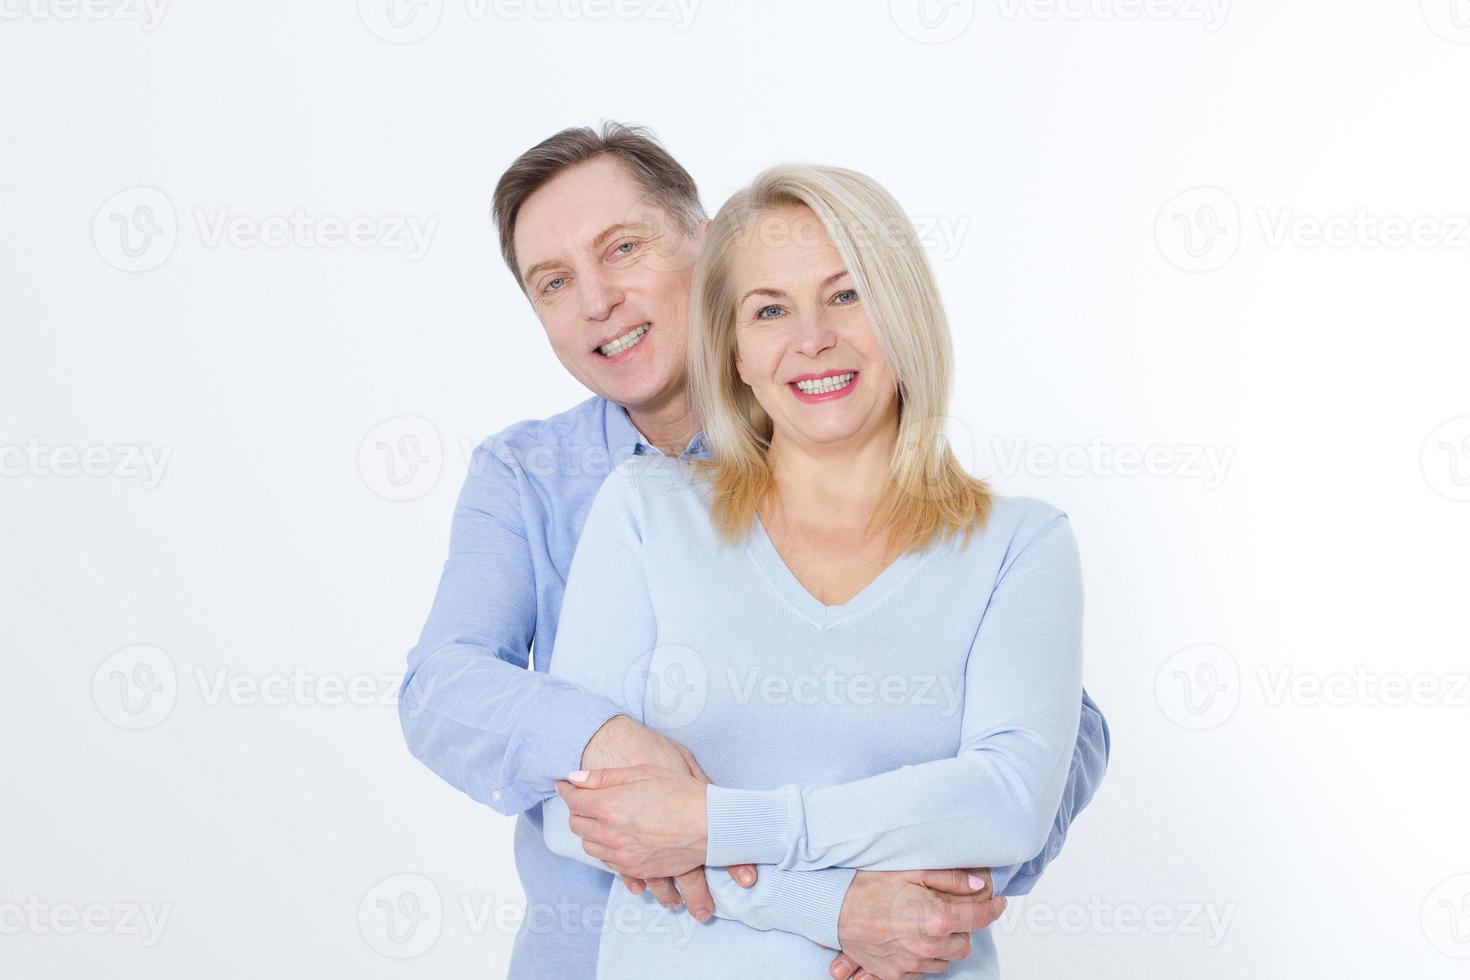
[(636, 394)]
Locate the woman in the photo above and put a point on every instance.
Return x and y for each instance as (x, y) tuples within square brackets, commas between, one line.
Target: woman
[(877, 662)]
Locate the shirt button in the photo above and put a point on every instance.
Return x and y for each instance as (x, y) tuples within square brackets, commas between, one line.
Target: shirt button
[(495, 796)]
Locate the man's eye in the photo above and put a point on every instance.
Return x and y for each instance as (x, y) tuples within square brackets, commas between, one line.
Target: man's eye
[(629, 246), (553, 284), (850, 294)]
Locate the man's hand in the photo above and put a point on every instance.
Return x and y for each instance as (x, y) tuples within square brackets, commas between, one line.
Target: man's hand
[(903, 924), (621, 741), (640, 820)]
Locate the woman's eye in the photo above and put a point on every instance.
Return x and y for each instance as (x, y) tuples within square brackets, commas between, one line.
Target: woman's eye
[(846, 296), (760, 314)]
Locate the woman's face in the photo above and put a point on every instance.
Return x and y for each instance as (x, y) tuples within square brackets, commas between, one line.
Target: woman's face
[(802, 340)]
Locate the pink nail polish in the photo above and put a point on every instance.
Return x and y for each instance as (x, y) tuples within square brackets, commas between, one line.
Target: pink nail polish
[(580, 776), (977, 882)]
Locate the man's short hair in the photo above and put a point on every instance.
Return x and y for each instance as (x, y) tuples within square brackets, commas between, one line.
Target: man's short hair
[(665, 183)]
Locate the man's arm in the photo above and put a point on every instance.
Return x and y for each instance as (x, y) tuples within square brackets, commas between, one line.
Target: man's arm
[(470, 709)]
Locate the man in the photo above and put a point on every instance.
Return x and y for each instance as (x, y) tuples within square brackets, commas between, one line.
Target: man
[(601, 230)]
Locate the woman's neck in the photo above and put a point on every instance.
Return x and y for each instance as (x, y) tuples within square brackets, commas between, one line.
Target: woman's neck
[(815, 483)]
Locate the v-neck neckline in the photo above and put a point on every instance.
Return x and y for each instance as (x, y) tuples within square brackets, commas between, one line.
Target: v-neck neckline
[(762, 551)]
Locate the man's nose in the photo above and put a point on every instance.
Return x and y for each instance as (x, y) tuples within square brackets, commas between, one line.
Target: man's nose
[(600, 296)]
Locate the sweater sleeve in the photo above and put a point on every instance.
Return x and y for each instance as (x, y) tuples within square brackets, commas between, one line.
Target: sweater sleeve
[(605, 644), (992, 804)]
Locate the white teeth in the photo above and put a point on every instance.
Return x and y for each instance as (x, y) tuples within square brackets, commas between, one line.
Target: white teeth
[(823, 385), (627, 340)]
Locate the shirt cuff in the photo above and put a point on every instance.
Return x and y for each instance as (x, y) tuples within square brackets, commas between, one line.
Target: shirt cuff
[(1000, 878), (810, 903), (749, 826), (575, 717)]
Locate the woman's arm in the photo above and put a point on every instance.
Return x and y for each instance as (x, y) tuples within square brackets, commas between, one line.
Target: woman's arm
[(993, 803), (604, 638)]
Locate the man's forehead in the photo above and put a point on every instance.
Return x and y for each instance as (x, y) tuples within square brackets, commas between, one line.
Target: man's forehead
[(575, 208)]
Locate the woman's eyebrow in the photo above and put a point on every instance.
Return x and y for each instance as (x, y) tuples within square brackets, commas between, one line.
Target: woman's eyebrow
[(778, 294)]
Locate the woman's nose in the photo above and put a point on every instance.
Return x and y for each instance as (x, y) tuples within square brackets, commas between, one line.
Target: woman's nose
[(814, 334)]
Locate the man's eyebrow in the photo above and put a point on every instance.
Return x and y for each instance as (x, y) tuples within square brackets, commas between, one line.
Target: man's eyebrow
[(596, 242), (764, 291)]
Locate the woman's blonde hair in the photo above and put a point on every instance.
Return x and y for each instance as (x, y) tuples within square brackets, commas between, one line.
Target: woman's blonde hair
[(931, 496)]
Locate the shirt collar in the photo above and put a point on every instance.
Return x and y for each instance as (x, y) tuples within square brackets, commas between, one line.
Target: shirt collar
[(624, 439)]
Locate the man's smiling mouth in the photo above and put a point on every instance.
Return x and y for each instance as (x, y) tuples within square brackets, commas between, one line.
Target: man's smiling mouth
[(625, 342)]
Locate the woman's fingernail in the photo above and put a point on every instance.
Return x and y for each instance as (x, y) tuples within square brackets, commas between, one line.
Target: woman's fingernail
[(977, 882), (580, 776)]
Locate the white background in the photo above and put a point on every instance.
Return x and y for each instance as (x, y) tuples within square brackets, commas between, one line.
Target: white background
[(1275, 806)]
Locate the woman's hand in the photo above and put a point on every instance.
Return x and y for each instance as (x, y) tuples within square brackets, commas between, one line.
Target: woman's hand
[(642, 821)]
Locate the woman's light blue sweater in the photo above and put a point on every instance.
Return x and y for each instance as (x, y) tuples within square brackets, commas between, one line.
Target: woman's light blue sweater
[(926, 723)]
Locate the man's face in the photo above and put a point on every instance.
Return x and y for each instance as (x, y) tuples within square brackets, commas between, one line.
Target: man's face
[(608, 274)]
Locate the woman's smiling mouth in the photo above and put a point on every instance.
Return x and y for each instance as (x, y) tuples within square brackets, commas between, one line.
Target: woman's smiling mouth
[(823, 387)]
